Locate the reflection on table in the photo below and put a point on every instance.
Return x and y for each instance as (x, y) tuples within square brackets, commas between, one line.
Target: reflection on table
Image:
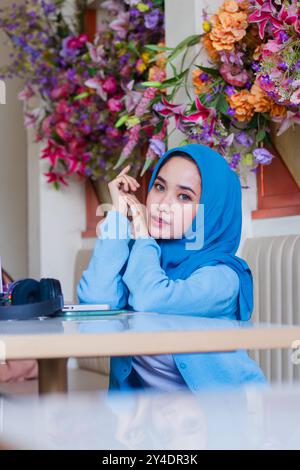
[(252, 418)]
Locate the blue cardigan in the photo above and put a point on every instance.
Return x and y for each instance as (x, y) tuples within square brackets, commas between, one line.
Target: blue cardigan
[(126, 273)]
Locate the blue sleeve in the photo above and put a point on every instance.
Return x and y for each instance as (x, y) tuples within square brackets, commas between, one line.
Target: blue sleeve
[(102, 281), (209, 291)]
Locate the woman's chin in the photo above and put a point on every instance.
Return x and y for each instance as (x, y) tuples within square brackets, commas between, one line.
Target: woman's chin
[(159, 232)]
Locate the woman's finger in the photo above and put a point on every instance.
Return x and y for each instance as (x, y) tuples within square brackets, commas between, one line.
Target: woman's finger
[(134, 181), (131, 181), (124, 170), (123, 181)]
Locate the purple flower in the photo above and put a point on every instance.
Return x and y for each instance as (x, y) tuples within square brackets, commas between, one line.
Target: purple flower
[(263, 156), (151, 19), (229, 90), (255, 66), (283, 36), (204, 77), (244, 139), (48, 8), (158, 146), (230, 111)]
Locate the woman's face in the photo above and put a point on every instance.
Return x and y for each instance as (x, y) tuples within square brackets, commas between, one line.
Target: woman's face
[(172, 202)]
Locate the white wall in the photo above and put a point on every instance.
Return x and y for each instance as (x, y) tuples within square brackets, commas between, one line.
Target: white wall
[(13, 182)]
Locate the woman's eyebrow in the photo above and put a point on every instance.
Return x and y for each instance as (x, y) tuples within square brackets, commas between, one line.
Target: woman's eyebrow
[(178, 185)]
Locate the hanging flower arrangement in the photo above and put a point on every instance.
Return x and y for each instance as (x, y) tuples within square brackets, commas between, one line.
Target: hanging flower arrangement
[(253, 78), (75, 88)]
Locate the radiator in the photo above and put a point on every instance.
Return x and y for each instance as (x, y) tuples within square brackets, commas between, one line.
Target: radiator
[(275, 265)]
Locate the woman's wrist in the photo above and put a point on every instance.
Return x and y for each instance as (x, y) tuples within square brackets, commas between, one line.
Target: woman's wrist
[(116, 209)]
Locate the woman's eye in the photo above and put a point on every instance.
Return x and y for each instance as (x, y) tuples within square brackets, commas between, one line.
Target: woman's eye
[(186, 197), (157, 184)]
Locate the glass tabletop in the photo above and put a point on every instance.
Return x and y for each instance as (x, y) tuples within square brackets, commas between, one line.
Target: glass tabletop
[(253, 418), (127, 321)]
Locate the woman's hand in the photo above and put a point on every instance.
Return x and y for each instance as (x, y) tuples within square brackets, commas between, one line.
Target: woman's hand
[(139, 219), (121, 185)]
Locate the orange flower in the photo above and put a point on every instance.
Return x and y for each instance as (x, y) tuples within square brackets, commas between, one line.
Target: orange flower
[(231, 6), (200, 86), (277, 110), (240, 103), (257, 53), (259, 99), (209, 47), (156, 74), (161, 57), (229, 25)]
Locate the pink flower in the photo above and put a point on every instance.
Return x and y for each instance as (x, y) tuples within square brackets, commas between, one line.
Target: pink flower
[(30, 119), (110, 85), (145, 101), (113, 132), (291, 119), (27, 93), (234, 75), (114, 105), (60, 92), (63, 131), (97, 85), (47, 125), (54, 152), (295, 98), (271, 47), (54, 177), (125, 71), (167, 109), (97, 53), (82, 39), (121, 24), (201, 115), (134, 134), (63, 108), (264, 13)]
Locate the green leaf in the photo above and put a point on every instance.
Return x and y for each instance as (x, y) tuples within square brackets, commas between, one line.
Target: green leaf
[(253, 124), (173, 80), (131, 47), (222, 104), (147, 164), (121, 159), (208, 70), (159, 127), (174, 70), (187, 42), (151, 84), (260, 135), (92, 71), (85, 94), (153, 47), (121, 121), (268, 139)]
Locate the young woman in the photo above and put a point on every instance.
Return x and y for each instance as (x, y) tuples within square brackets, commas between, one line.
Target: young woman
[(174, 257)]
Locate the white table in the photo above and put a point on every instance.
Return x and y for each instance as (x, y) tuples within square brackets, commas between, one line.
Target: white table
[(53, 341)]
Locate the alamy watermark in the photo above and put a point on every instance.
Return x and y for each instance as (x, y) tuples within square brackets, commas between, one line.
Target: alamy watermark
[(2, 92), (194, 235), (295, 356), (2, 352)]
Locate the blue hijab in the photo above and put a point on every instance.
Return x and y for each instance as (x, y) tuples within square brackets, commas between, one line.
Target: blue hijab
[(221, 199)]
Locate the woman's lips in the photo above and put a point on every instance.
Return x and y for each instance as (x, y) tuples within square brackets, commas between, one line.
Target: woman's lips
[(159, 222)]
